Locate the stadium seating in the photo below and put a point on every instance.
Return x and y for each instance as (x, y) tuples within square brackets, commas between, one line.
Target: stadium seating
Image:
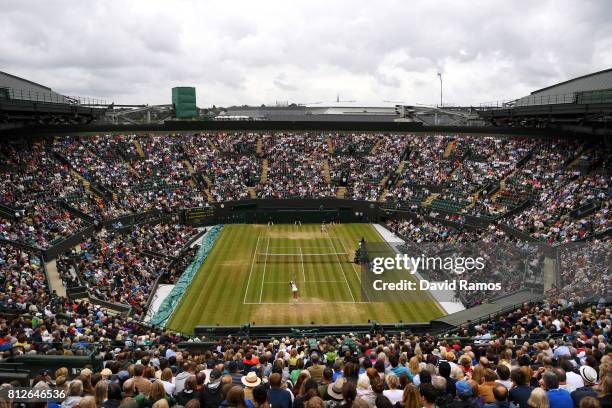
[(556, 191)]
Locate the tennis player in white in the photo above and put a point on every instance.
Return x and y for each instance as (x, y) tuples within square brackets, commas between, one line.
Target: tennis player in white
[(294, 290)]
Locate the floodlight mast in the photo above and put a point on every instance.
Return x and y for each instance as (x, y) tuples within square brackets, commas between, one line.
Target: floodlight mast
[(440, 76)]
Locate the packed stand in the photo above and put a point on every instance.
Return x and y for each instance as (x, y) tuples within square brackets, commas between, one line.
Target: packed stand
[(296, 166), (556, 188), (227, 171), (22, 278), (121, 266), (362, 162), (540, 355), (42, 225), (586, 270), (511, 263)]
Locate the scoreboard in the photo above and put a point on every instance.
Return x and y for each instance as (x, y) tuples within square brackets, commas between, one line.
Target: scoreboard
[(200, 216)]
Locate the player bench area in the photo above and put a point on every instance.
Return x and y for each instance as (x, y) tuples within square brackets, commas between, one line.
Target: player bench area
[(314, 261)]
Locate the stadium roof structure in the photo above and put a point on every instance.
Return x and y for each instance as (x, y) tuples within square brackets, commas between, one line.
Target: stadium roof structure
[(25, 102), (582, 104), (5, 77), (568, 91), (589, 82), (23, 89)]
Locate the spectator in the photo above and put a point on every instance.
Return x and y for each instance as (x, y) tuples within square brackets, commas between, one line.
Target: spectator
[(589, 376), (538, 399), (211, 396), (278, 397), (520, 391), (500, 392), (235, 398), (316, 369), (485, 389), (334, 391), (428, 395), (464, 396), (189, 392), (188, 370), (557, 397), (393, 393)]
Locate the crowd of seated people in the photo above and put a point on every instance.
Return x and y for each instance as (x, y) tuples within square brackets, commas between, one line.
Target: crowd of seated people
[(585, 269), (296, 166), (293, 177), (22, 277), (361, 175), (490, 159), (121, 266), (557, 188), (229, 171), (353, 144), (584, 265), (363, 163), (231, 176), (407, 196), (157, 181), (41, 225), (237, 143), (109, 176), (32, 175), (427, 166), (540, 355), (503, 256)]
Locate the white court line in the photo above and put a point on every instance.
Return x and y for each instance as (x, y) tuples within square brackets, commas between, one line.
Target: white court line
[(307, 303), (251, 271), (354, 267), (302, 259), (272, 247), (264, 272), (342, 268), (357, 272), (302, 254), (310, 281)]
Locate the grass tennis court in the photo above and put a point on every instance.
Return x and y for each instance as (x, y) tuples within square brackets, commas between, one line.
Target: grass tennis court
[(246, 279)]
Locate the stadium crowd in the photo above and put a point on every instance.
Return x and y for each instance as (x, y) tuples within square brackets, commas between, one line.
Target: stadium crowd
[(503, 256), (108, 176), (121, 266), (551, 354), (541, 355), (40, 225), (296, 167)]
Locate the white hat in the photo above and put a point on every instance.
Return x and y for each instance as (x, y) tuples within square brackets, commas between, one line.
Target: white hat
[(588, 374), (251, 380)]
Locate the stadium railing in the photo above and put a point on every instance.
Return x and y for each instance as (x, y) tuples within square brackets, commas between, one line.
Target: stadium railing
[(579, 98), (67, 243), (80, 214), (47, 97), (35, 363)]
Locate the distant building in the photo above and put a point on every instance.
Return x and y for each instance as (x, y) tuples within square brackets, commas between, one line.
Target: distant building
[(341, 112)]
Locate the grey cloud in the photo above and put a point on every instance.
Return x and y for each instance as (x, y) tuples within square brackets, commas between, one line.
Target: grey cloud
[(281, 82), (133, 52)]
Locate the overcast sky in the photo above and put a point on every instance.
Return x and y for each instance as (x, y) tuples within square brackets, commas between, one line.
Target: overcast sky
[(258, 51)]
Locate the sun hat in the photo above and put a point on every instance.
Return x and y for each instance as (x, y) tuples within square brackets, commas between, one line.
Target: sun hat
[(588, 374), (251, 380), (334, 389)]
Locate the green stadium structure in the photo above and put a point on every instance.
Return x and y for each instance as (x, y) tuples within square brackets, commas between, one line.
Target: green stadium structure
[(184, 101)]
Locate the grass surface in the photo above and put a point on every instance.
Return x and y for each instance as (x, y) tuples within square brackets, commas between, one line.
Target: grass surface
[(239, 283)]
